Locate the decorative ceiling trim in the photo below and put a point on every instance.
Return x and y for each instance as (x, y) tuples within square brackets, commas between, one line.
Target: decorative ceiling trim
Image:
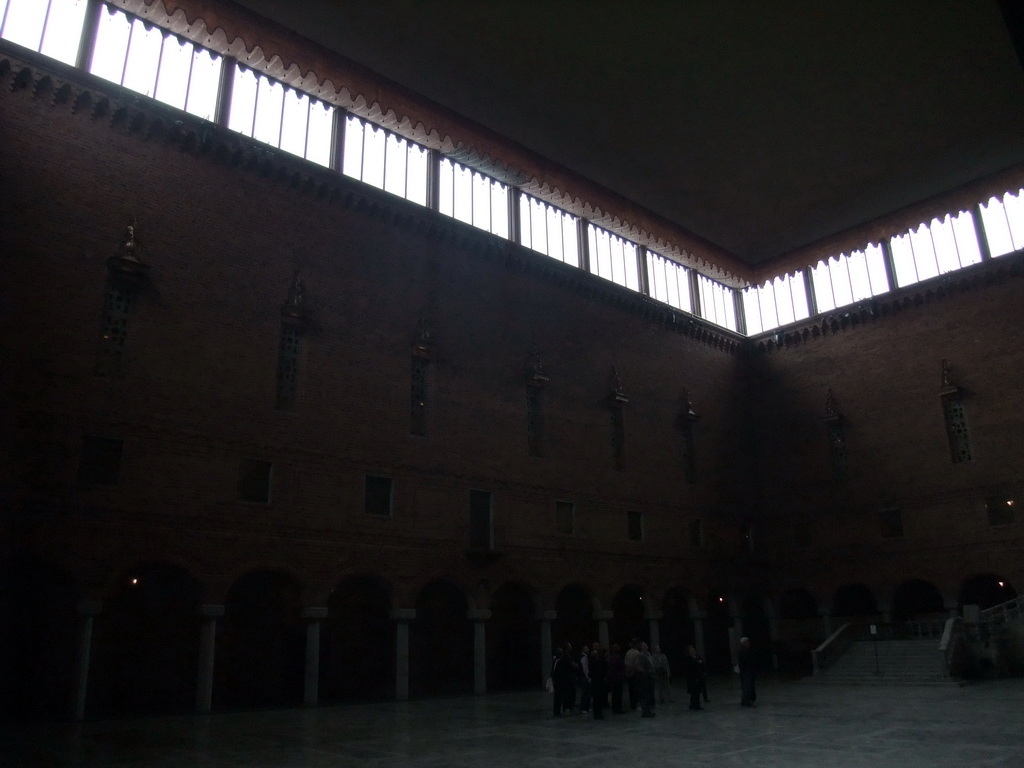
[(993, 272), (261, 44), (955, 201), (63, 86)]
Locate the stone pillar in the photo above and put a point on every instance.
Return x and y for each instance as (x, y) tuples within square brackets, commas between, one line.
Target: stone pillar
[(773, 636), (546, 652), (602, 618), (207, 646), (402, 617), (311, 684), (826, 620), (737, 623), (653, 617), (886, 610), (952, 606), (735, 633), (88, 610), (478, 617), (698, 632)]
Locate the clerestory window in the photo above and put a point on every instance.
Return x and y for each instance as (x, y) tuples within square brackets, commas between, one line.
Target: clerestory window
[(778, 302), (474, 198), (716, 302), (386, 160), (50, 27), (669, 282), (154, 62), (275, 114), (158, 63), (848, 278), (1003, 222), (935, 249), (549, 230), (613, 257)]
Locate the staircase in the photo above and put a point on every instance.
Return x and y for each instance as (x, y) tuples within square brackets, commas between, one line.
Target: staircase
[(915, 661)]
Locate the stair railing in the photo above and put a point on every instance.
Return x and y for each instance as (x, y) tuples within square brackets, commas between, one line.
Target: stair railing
[(1004, 612), (905, 630), (832, 648)]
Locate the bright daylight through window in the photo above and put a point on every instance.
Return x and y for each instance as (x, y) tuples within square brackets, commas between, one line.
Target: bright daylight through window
[(158, 64)]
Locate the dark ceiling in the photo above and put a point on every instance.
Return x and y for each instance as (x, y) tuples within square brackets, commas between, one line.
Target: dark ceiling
[(760, 126)]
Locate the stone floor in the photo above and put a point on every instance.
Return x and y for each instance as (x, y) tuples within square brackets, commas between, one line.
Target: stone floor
[(794, 724)]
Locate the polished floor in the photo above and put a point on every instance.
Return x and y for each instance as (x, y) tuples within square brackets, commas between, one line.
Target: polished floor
[(795, 724)]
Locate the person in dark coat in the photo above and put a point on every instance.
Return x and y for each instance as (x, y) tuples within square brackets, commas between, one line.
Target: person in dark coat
[(598, 680), (747, 673), (563, 675), (694, 677)]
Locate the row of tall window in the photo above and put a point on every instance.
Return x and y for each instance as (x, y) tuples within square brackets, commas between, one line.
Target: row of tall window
[(152, 61)]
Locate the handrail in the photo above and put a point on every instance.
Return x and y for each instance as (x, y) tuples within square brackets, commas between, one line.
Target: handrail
[(1000, 614), (831, 649), (906, 630)]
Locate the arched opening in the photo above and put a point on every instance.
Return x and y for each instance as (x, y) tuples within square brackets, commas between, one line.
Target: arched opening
[(628, 616), (916, 599), (801, 630), (441, 652), (574, 622), (854, 600), (717, 646), (38, 630), (986, 590), (675, 629), (146, 644), (358, 642), (261, 643), (513, 640)]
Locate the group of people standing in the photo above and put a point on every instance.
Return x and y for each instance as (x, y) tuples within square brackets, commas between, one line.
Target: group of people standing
[(602, 676)]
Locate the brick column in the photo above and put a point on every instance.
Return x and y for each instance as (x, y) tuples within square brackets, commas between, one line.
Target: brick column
[(546, 652), (311, 686), (478, 617), (88, 610), (698, 631), (207, 646), (653, 617), (773, 634), (402, 617)]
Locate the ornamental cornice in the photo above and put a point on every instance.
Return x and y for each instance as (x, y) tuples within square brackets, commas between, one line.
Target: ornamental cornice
[(270, 48), (895, 303), (130, 114)]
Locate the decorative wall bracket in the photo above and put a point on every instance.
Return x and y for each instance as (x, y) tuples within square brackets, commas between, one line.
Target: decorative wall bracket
[(835, 426), (832, 415), (689, 416), (948, 388), (422, 345), (294, 313), (618, 396), (535, 374), (688, 420), (126, 264), (951, 396)]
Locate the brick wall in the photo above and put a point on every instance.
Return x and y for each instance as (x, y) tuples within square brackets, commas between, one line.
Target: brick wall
[(223, 225)]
